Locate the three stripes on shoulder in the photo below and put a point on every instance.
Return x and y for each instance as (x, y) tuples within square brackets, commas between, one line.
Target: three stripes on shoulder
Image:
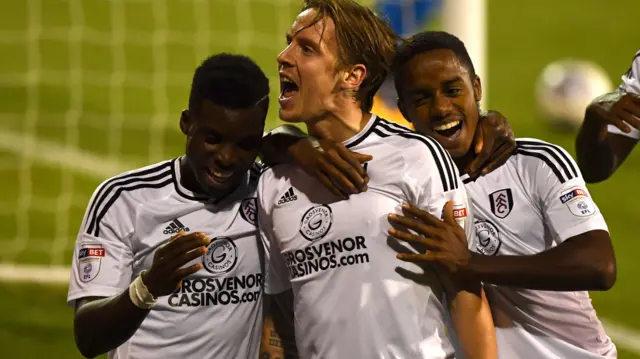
[(156, 176), (446, 167), (554, 156)]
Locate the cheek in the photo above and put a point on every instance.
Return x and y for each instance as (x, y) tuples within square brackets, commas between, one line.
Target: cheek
[(421, 119)]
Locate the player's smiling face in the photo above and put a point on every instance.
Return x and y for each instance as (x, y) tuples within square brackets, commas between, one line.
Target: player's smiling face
[(308, 74), (222, 144), (439, 96)]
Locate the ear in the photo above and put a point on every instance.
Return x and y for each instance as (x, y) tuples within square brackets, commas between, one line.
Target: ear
[(353, 77), (477, 88), (185, 122), (403, 110)]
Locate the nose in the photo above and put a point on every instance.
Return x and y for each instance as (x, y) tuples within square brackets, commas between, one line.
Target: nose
[(442, 106), (284, 58), (227, 156)]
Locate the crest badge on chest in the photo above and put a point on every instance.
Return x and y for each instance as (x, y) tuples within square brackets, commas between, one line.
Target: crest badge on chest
[(501, 202)]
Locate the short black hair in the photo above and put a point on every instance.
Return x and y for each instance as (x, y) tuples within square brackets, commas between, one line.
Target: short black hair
[(229, 80), (428, 41)]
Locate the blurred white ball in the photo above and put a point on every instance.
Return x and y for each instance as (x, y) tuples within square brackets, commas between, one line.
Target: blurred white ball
[(565, 88)]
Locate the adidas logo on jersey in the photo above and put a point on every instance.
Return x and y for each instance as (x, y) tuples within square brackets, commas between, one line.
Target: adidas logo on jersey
[(288, 196), (175, 227)]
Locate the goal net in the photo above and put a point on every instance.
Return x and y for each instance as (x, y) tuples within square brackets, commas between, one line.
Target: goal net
[(93, 88)]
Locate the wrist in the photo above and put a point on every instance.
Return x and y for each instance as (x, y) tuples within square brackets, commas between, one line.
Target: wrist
[(595, 124), (140, 295), (468, 271)]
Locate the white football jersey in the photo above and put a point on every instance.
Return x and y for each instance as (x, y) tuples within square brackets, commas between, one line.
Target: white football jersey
[(532, 203), (217, 312), (350, 296), (631, 84)]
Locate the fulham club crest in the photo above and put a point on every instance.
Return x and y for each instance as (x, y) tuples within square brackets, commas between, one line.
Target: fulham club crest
[(249, 210), (501, 202)]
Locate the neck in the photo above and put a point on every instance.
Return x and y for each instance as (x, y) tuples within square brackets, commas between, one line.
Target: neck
[(339, 125), (463, 162), (188, 178)]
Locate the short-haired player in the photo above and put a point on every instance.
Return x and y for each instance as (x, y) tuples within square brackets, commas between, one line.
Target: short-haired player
[(168, 261), (351, 298), (541, 241)]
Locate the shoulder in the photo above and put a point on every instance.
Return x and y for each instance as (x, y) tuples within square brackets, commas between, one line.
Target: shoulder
[(124, 191), (149, 178), (273, 180), (412, 145), (539, 158), (421, 154)]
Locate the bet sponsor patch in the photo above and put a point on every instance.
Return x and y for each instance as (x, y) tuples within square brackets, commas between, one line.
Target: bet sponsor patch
[(89, 261), (460, 214), (578, 202)]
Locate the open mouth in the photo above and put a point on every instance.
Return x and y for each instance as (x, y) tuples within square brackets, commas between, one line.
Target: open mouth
[(288, 87), (218, 176), (448, 129)]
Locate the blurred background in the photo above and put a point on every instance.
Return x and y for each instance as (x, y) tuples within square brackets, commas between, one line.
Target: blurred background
[(89, 89)]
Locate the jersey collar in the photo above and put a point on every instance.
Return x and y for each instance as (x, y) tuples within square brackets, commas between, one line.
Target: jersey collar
[(363, 134)]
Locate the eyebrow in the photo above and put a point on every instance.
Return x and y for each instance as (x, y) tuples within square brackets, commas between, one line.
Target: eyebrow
[(455, 79), (419, 91)]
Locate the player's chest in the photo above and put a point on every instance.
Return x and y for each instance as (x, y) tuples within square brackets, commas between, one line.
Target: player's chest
[(233, 231), (506, 219), (302, 216)]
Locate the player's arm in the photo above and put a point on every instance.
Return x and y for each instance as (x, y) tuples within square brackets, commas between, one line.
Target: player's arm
[(103, 324), (600, 152), (466, 299), (279, 337), (472, 320), (611, 128), (494, 143), (337, 168), (278, 304), (583, 258), (582, 262)]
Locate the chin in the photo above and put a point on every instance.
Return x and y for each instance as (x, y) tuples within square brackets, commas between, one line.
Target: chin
[(290, 116), (215, 189)]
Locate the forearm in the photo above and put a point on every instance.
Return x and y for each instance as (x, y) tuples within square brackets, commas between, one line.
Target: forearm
[(596, 159), (473, 323), (273, 346), (279, 319), (277, 142), (105, 324), (574, 265)]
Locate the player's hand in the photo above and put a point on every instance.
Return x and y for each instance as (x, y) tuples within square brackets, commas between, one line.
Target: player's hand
[(166, 272), (444, 240), (626, 108), (494, 144), (337, 168)]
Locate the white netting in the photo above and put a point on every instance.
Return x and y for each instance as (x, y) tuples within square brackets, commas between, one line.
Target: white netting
[(92, 88)]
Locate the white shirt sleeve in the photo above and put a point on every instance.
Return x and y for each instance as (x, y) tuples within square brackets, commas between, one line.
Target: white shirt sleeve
[(631, 84), (276, 272), (564, 199), (102, 257), (434, 180)]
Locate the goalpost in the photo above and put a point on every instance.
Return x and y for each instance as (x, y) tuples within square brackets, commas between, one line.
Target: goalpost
[(94, 88)]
